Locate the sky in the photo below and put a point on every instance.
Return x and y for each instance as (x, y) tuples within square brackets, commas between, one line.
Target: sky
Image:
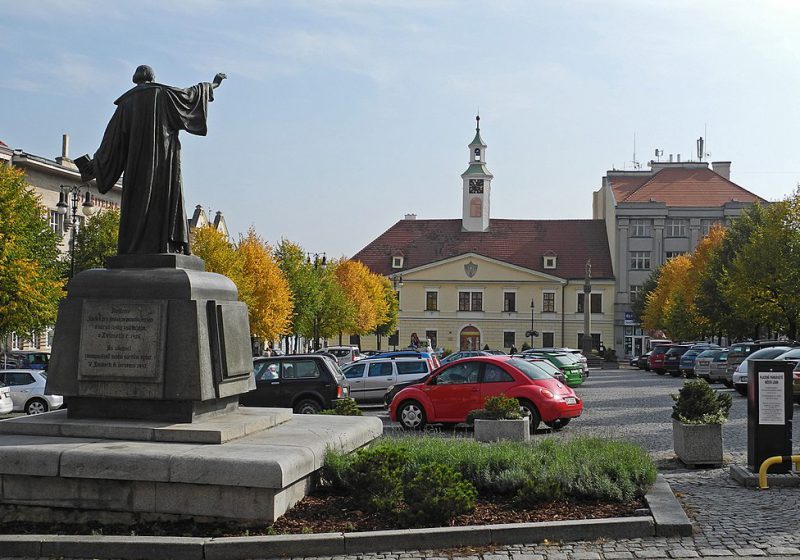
[(339, 117)]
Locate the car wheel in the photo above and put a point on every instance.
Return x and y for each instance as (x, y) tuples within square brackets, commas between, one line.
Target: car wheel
[(529, 407), (411, 415), (559, 423), (36, 406), (675, 373), (307, 406), (728, 384), (742, 390), (660, 371)]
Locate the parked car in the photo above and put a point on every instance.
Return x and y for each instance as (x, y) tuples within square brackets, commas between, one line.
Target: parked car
[(306, 383), (344, 354), (27, 388), (432, 359), (702, 364), (451, 392), (672, 358), (573, 371), (371, 379), (687, 361), (643, 361), (716, 372), (739, 378), (496, 352), (6, 404), (24, 359), (546, 365), (463, 354), (572, 351), (740, 351), (656, 358)]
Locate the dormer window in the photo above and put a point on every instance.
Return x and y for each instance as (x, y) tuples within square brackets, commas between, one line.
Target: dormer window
[(397, 262), (477, 154), (550, 261)]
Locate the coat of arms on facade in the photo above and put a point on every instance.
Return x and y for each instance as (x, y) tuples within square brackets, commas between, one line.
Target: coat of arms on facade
[(470, 268)]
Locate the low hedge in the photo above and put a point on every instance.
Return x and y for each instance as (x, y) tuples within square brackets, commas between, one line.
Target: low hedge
[(576, 469)]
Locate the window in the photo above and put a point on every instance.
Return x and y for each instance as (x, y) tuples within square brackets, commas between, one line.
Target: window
[(509, 301), (380, 370), (355, 340), (16, 342), (297, 369), (596, 303), (356, 371), (18, 378), (431, 335), (509, 339), (55, 221), (640, 260), (431, 301), (412, 367), (470, 301), (266, 371), (477, 154), (676, 227), (634, 291), (706, 225), (548, 302), (496, 374), (548, 340), (397, 262), (459, 373), (475, 208), (640, 228), (549, 262), (673, 254)]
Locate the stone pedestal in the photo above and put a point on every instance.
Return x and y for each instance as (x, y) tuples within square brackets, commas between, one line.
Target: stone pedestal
[(154, 337), (697, 444), (503, 430)]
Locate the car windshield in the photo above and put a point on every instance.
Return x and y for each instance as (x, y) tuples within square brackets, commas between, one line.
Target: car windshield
[(708, 353), (547, 367), (790, 355), (530, 369)]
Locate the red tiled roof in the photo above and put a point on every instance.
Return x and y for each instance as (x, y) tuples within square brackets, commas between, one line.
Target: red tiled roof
[(518, 242), (679, 186), (624, 185)]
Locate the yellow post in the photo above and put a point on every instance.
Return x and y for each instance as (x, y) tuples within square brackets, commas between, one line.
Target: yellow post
[(777, 459)]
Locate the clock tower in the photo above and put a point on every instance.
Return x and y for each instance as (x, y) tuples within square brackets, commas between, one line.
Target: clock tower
[(477, 186)]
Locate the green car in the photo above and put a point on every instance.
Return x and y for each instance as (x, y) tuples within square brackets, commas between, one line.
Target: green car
[(573, 371)]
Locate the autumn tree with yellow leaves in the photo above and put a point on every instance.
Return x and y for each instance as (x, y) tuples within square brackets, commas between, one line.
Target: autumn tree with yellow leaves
[(271, 300), (30, 276)]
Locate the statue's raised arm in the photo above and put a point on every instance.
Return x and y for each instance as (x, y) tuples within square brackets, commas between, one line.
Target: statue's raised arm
[(141, 141)]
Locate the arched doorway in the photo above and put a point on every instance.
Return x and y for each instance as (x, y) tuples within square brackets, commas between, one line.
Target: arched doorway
[(470, 339)]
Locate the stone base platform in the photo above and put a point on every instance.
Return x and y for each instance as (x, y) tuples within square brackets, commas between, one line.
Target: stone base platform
[(251, 479), (214, 430), (749, 479)]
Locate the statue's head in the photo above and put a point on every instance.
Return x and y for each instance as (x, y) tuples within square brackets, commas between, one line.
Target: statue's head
[(143, 75)]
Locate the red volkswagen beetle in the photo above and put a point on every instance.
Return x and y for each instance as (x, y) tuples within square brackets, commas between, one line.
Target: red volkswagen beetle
[(450, 393)]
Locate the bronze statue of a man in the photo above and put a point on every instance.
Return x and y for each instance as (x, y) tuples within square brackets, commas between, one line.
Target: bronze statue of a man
[(141, 140)]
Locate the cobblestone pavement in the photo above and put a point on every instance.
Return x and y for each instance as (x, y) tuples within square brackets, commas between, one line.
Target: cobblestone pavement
[(730, 521)]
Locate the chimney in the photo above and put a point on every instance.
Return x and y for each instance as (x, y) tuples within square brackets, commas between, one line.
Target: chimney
[(64, 160), (722, 168), (410, 217), (679, 158), (670, 158)]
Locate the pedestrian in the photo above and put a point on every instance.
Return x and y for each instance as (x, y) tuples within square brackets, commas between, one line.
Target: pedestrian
[(513, 349), (414, 341)]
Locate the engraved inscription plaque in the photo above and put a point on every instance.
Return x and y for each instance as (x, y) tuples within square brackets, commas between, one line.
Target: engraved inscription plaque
[(122, 341)]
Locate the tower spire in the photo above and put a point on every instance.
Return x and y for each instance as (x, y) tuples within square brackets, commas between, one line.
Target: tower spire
[(478, 122)]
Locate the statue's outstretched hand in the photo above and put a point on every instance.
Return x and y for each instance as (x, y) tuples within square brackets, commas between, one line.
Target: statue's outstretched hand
[(218, 79)]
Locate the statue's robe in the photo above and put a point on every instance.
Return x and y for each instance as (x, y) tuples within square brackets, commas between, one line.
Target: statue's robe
[(141, 140)]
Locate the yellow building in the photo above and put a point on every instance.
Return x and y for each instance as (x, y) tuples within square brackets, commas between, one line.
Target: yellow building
[(480, 281)]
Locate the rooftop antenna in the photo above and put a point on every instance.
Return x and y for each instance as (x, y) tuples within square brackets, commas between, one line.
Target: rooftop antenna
[(636, 164), (700, 151), (658, 154)]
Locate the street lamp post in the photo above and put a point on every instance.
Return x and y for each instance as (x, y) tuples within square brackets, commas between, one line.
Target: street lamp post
[(532, 332), (68, 198), (320, 263)]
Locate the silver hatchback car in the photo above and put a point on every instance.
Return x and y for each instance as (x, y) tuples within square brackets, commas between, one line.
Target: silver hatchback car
[(28, 391)]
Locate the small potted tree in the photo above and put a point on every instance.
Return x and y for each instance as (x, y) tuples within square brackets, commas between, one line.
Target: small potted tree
[(500, 419), (697, 418)]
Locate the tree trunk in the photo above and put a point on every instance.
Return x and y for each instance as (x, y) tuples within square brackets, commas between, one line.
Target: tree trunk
[(792, 331)]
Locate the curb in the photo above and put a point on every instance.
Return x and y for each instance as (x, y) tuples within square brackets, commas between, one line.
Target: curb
[(667, 519)]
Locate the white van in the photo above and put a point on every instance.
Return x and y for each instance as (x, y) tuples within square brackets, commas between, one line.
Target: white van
[(344, 354), (370, 379)]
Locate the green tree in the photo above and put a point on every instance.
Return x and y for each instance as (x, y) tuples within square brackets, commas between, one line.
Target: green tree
[(763, 278), (96, 240), (389, 324), (639, 304), (304, 284), (30, 278)]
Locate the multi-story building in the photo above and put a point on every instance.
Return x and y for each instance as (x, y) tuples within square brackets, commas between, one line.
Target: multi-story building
[(653, 215), (479, 281)]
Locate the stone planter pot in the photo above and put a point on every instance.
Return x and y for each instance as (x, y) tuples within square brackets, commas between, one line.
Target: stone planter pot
[(697, 444), (497, 430)]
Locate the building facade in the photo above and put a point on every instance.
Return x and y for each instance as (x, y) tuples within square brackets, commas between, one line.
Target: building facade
[(480, 281), (656, 214)]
